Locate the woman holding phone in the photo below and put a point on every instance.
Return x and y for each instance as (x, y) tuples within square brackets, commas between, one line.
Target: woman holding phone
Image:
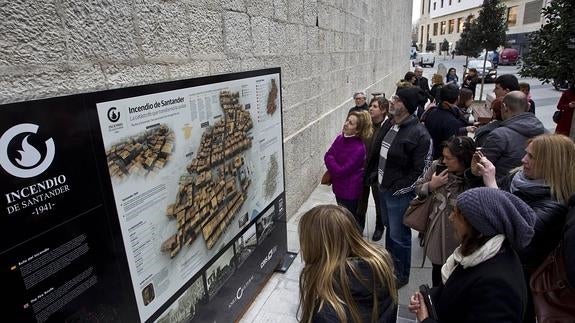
[(443, 182), (480, 280)]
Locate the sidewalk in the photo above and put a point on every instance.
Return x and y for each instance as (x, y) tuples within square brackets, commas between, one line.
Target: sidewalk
[(278, 300)]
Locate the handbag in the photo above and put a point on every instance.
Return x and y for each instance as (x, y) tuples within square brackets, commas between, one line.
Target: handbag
[(553, 298), (326, 178), (417, 214), (557, 116)]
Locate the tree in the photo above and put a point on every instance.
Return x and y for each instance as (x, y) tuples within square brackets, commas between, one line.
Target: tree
[(489, 30), (552, 48), (466, 45)]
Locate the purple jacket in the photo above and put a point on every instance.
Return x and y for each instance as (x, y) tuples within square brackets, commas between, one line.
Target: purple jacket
[(345, 162)]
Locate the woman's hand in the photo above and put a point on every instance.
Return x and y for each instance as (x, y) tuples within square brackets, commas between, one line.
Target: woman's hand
[(417, 307), (486, 169), (470, 128), (438, 180), (571, 105)]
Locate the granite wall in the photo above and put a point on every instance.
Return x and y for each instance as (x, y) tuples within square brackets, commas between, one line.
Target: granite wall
[(326, 50)]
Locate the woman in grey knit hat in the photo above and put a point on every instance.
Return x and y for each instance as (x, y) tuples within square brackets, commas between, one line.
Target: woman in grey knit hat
[(482, 279)]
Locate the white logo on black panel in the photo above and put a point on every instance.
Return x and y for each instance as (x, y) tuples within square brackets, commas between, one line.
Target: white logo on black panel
[(30, 163)]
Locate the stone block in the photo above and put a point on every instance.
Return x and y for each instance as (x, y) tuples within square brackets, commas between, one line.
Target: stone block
[(163, 29), (261, 35), (49, 81), (233, 5), (189, 70), (32, 33), (312, 39), (100, 30), (260, 8), (237, 34), (229, 65), (206, 35), (281, 10), (310, 13), (119, 75), (295, 11)]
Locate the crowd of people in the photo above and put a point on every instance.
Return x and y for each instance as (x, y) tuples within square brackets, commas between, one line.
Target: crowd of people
[(500, 196)]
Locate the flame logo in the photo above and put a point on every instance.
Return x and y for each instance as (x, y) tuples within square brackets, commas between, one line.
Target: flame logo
[(29, 156)]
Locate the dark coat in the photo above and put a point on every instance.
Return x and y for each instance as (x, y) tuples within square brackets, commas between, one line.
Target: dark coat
[(423, 84), (361, 291), (407, 156), (442, 123), (569, 243), (363, 107), (493, 291), (505, 145), (470, 82), (564, 124)]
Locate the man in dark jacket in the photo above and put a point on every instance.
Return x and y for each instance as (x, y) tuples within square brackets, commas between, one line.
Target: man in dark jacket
[(360, 102), (505, 146), (422, 82), (405, 154), (445, 120)]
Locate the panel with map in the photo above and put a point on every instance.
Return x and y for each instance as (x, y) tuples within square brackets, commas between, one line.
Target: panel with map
[(191, 168)]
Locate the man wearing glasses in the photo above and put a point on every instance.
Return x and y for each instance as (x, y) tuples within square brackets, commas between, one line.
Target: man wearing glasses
[(404, 155), (360, 102)]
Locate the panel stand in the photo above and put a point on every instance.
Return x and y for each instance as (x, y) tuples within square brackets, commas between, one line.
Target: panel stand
[(284, 265)]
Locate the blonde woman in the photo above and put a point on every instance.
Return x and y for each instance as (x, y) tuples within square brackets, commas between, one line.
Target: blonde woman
[(345, 159), (545, 182), (436, 85), (345, 278)]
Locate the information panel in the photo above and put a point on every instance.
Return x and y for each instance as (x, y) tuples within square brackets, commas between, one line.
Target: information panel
[(160, 203)]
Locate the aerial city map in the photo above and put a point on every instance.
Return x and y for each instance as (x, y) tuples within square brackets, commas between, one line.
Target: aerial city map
[(190, 169)]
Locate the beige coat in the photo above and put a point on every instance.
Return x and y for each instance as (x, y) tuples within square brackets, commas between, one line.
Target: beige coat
[(440, 238)]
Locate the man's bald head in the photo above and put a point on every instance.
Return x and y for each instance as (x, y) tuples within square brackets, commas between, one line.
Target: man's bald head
[(515, 102)]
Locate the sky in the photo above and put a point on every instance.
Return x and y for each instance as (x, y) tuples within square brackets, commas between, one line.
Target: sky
[(416, 11)]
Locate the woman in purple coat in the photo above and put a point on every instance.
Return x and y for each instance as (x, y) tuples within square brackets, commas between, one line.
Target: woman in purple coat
[(345, 160)]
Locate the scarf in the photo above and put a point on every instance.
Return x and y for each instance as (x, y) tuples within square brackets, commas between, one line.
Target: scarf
[(385, 144), (485, 252), (520, 182)]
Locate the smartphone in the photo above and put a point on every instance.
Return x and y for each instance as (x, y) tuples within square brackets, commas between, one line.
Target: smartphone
[(479, 152), (425, 292), (440, 168)]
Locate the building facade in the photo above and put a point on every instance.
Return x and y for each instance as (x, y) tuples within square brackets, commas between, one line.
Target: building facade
[(443, 20)]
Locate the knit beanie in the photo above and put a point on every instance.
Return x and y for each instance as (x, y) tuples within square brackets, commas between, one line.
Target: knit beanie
[(492, 211), (412, 98)]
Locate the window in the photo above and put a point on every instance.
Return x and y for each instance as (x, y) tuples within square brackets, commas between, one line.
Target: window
[(511, 16), (428, 6), (422, 6), (435, 29), (451, 25), (459, 24), (532, 12), (434, 6), (450, 2), (443, 27), (441, 3)]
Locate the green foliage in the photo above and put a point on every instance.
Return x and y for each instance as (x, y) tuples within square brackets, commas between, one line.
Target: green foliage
[(552, 48), (489, 30), (466, 45)]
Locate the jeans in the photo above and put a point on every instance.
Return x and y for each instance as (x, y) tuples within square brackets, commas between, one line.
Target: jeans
[(397, 235)]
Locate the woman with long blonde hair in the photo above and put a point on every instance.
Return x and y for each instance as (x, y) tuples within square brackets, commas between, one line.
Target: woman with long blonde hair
[(345, 159), (545, 182), (345, 278)]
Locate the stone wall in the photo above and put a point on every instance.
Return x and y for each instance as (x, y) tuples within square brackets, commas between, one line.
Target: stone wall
[(326, 49)]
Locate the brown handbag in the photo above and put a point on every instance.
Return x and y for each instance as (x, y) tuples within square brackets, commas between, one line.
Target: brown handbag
[(417, 214), (326, 178), (553, 298)]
